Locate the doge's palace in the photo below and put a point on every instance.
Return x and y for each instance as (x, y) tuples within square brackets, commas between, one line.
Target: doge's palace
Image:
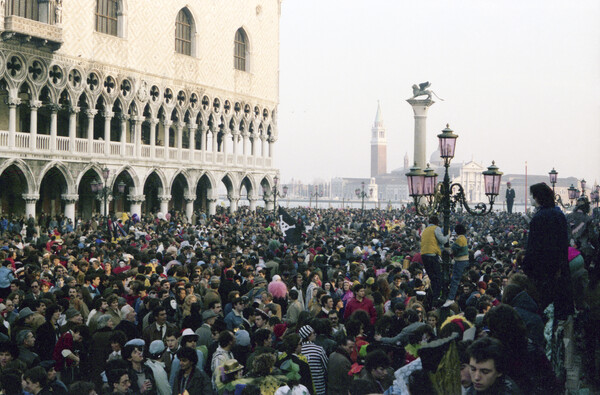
[(174, 98)]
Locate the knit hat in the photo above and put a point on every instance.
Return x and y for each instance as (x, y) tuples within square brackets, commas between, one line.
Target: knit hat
[(242, 338), (70, 313), (208, 314), (305, 331)]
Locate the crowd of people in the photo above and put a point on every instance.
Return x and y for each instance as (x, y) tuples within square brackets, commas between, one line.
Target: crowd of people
[(368, 302)]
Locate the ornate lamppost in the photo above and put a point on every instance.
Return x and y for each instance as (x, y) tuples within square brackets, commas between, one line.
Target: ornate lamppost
[(360, 193), (431, 197), (316, 194), (573, 192), (103, 193), (583, 184), (553, 178), (276, 193), (595, 195)]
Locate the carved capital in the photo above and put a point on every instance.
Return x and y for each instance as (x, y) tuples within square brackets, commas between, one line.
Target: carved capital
[(68, 198), (138, 119), (164, 198), (180, 125), (122, 117), (54, 108), (211, 200), (31, 197), (34, 105), (192, 126), (153, 121), (108, 114), (91, 113), (136, 198), (13, 101), (167, 123), (73, 109), (189, 198)]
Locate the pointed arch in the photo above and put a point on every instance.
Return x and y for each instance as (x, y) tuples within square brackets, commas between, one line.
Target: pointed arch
[(161, 176), (132, 175), (32, 185), (241, 50), (64, 170), (185, 32)]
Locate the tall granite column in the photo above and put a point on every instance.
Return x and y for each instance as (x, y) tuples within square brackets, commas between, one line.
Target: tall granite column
[(420, 108)]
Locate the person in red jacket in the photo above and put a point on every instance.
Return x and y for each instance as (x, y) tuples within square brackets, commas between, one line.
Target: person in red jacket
[(359, 302)]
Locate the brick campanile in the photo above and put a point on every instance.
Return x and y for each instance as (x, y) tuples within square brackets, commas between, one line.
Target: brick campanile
[(378, 146)]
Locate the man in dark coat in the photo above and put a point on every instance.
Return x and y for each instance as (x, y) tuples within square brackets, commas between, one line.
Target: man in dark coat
[(510, 198), (338, 381), (546, 257), (190, 378)]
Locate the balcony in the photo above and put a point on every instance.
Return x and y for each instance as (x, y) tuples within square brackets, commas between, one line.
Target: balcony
[(47, 146), (25, 30)]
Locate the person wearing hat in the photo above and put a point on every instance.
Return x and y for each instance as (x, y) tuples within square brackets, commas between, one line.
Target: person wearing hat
[(23, 322), (142, 375), (155, 362), (317, 359), (73, 318), (190, 378), (230, 377), (188, 339), (205, 332), (223, 353), (260, 287)]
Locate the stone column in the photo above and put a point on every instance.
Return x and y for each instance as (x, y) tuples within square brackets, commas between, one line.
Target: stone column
[(70, 206), (192, 128), (72, 127), (271, 147), (224, 144), (108, 115), (179, 137), (263, 148), (233, 202), (136, 204), (420, 108), (153, 126), (269, 203), (252, 201), (203, 130), (189, 206), (123, 138), (30, 201), (90, 129), (212, 206), (53, 125), (234, 142), (166, 125), (215, 146), (245, 142), (164, 203), (33, 118), (13, 102), (137, 136)]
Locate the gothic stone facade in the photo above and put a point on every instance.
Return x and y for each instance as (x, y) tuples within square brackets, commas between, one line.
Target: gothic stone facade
[(174, 97)]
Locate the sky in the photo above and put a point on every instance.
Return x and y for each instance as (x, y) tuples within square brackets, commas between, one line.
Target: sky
[(520, 82)]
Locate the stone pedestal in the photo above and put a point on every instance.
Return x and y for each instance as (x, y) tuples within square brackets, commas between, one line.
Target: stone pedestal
[(189, 207), (420, 108), (212, 206)]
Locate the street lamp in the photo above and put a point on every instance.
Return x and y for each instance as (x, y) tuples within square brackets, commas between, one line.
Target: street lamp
[(583, 184), (360, 193), (276, 193), (553, 177), (595, 195), (440, 197), (103, 192), (316, 194)]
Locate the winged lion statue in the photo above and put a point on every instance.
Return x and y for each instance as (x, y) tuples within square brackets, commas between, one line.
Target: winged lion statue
[(421, 90)]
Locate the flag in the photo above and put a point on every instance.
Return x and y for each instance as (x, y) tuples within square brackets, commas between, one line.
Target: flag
[(289, 227)]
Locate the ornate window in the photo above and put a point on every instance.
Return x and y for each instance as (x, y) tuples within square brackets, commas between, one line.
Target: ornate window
[(183, 33), (240, 54), (24, 8), (107, 17)]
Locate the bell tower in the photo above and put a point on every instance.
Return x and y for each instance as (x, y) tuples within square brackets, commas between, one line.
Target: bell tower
[(378, 146)]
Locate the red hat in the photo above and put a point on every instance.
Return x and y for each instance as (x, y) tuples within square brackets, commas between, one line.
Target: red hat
[(482, 285)]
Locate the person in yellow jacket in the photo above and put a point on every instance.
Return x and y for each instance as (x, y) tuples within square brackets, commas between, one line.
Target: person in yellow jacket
[(432, 242)]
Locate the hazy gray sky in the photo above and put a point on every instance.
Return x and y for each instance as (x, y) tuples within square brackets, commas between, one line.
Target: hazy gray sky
[(520, 79)]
